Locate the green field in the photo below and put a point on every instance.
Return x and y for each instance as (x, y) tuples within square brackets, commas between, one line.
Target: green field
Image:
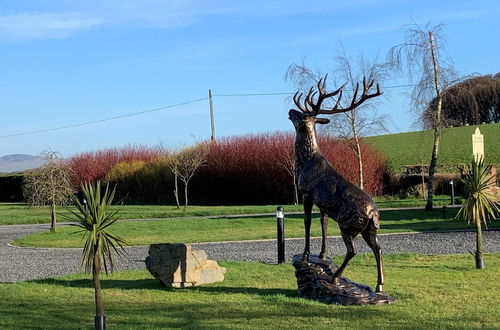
[(456, 146), (19, 213), (432, 292), (212, 230)]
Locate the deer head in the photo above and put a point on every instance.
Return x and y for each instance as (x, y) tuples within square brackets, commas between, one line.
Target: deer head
[(309, 108)]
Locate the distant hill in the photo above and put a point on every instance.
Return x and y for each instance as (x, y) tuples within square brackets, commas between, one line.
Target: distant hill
[(19, 163), (415, 148)]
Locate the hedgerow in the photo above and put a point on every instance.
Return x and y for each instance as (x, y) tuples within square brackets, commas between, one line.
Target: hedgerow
[(239, 170), (94, 165)]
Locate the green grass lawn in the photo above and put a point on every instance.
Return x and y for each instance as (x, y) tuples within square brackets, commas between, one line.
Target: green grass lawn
[(19, 213), (443, 292), (456, 146), (209, 230)]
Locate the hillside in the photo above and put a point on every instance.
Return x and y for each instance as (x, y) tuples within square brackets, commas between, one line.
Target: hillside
[(414, 148), (19, 163)]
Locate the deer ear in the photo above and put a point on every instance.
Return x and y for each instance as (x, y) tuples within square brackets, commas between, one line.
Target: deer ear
[(322, 120)]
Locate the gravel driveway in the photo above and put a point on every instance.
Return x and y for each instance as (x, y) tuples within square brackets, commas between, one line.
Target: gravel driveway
[(21, 264)]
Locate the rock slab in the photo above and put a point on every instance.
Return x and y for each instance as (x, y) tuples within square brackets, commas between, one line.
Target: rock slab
[(177, 265), (314, 281)]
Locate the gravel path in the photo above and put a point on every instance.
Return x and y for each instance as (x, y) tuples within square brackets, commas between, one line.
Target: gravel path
[(21, 264)]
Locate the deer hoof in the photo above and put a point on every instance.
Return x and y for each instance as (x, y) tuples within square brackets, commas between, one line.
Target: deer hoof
[(379, 288), (335, 281), (322, 255), (305, 256)]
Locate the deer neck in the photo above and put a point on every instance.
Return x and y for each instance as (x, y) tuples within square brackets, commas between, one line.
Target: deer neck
[(306, 145)]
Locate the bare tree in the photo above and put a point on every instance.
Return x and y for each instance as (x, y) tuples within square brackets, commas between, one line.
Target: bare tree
[(351, 126), (168, 157), (184, 165), (49, 185), (422, 55), (287, 161), (176, 186)]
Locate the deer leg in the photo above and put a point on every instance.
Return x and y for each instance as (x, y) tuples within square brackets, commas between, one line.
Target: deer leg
[(308, 204), (324, 229), (370, 236), (349, 255)]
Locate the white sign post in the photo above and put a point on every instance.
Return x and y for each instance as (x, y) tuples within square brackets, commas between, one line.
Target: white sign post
[(478, 144)]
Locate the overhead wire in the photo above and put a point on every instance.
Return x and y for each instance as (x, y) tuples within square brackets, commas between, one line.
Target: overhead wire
[(105, 119), (155, 110)]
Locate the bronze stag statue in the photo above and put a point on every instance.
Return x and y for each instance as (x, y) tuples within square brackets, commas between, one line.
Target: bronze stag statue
[(352, 208)]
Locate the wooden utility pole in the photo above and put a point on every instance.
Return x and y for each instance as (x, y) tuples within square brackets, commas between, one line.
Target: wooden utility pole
[(212, 124)]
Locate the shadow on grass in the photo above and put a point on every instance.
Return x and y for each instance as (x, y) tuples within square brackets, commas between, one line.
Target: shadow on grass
[(153, 284)]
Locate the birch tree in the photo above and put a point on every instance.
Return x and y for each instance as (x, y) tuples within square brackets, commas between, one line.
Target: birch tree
[(421, 56)]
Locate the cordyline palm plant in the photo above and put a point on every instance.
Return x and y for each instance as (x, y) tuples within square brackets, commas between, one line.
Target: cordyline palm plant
[(94, 219), (480, 204)]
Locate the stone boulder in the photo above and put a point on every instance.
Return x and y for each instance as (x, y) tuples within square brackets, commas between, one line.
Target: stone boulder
[(178, 265), (314, 281)]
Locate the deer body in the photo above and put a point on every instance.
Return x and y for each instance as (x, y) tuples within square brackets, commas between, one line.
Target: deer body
[(338, 198), (352, 208)]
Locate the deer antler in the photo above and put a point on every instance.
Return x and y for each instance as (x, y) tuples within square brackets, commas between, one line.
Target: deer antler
[(315, 108)]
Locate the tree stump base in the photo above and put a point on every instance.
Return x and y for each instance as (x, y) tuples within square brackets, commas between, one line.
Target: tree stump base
[(314, 281)]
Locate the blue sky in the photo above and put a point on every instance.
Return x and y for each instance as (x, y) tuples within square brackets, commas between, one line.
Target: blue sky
[(69, 62)]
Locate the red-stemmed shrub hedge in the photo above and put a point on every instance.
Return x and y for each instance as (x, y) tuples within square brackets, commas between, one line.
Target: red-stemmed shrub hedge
[(249, 169), (239, 170), (94, 165)]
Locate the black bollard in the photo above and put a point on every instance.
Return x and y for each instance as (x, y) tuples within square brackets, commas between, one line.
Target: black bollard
[(100, 322), (452, 192), (280, 226)]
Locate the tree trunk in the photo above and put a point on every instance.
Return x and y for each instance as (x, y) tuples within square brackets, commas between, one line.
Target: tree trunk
[(176, 191), (432, 170), (53, 216), (185, 195), (437, 126), (295, 190), (99, 306), (479, 246), (360, 162)]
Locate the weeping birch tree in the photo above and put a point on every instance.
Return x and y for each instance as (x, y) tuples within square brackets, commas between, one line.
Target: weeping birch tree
[(421, 56)]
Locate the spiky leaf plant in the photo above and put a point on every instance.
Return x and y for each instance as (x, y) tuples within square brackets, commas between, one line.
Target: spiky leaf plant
[(480, 204), (95, 218)]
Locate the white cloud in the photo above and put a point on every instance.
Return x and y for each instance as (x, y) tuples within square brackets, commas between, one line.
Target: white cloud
[(73, 16), (46, 25)]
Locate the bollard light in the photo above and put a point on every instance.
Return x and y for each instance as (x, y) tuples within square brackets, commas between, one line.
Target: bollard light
[(280, 227), (452, 192), (279, 212)]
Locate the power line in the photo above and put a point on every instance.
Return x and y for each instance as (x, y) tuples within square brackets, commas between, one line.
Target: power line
[(399, 86), (105, 119), (288, 93), (253, 94), (159, 109)]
